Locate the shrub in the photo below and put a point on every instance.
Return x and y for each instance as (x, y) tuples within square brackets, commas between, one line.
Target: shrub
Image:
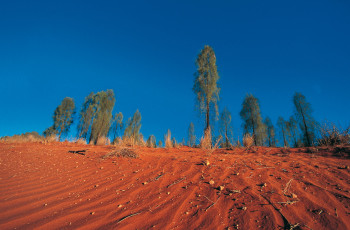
[(167, 140), (248, 140), (332, 135), (80, 141), (205, 142), (103, 141)]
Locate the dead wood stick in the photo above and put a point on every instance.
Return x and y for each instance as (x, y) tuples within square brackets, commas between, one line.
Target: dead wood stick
[(212, 204), (176, 182), (287, 224), (157, 178), (125, 217)]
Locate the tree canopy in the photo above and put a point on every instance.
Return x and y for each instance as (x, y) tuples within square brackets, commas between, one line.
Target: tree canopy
[(307, 123), (206, 86), (225, 127), (252, 121), (62, 118)]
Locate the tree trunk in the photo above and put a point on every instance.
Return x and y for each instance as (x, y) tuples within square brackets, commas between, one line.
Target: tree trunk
[(207, 117), (284, 137), (306, 132)]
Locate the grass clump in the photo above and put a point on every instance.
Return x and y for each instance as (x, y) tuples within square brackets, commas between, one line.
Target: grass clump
[(167, 140), (248, 140), (205, 142)]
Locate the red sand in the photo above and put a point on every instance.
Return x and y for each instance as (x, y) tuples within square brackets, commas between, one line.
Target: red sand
[(46, 187)]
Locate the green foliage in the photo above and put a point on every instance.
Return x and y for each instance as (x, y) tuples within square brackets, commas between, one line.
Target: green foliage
[(133, 128), (160, 143), (117, 125), (206, 84), (151, 142), (104, 103), (96, 115), (86, 115), (62, 118), (307, 123), (252, 121), (270, 132), (225, 128), (50, 132), (191, 135)]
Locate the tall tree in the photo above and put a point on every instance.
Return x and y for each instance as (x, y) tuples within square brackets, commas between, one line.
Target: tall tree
[(191, 135), (133, 127), (292, 125), (63, 116), (50, 131), (270, 131), (282, 124), (104, 102), (151, 142), (206, 84), (86, 115), (117, 124), (252, 121), (96, 115), (225, 127), (307, 123)]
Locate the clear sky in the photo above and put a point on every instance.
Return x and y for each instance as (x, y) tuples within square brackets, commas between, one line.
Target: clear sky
[(145, 51)]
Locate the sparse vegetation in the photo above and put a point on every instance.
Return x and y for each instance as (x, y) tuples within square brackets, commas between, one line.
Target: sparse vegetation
[(252, 121), (191, 135), (205, 142), (167, 140), (248, 140), (225, 128), (62, 118), (206, 86), (330, 135), (151, 142), (307, 123), (132, 130)]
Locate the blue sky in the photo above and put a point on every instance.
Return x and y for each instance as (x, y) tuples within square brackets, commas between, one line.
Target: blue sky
[(145, 51)]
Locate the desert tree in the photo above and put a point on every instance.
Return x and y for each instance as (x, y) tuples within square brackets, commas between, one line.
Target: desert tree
[(292, 126), (160, 143), (252, 121), (206, 86), (133, 128), (50, 132), (151, 142), (104, 102), (116, 125), (87, 113), (225, 128), (284, 129), (96, 115), (63, 117), (191, 135), (307, 123), (270, 132)]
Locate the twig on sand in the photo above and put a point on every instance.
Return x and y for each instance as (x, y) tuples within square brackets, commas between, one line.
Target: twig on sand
[(288, 202), (212, 204), (81, 152), (266, 168), (287, 224), (178, 181), (287, 187), (125, 217), (157, 178)]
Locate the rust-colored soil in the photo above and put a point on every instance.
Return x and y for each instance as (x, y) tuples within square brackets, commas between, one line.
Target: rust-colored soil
[(48, 187)]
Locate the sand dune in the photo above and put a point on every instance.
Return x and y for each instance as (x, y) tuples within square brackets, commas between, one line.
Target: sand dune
[(48, 187)]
